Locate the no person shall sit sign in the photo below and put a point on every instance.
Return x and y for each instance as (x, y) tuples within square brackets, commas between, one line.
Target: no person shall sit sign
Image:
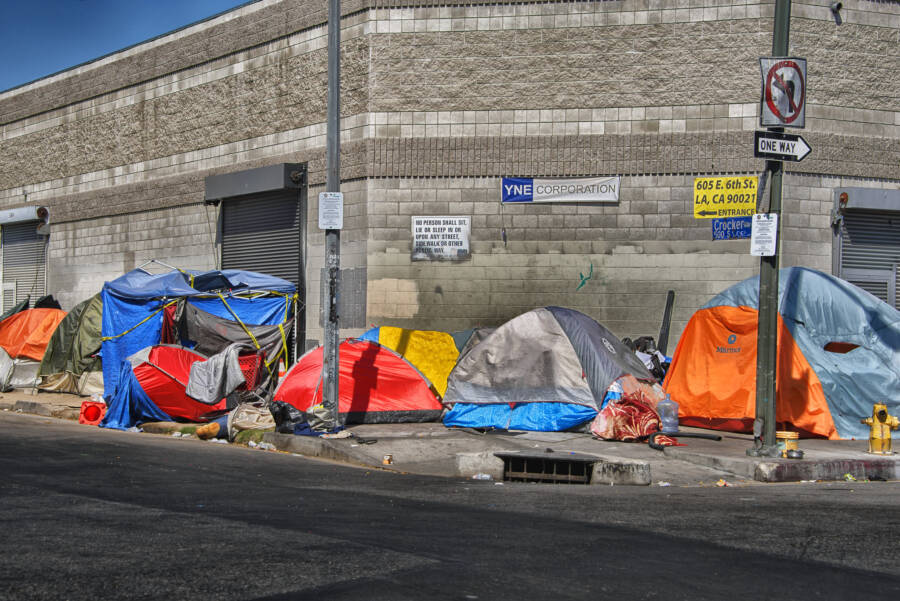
[(783, 102)]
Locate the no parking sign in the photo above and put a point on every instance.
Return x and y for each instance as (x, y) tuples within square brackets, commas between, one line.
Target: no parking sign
[(783, 102)]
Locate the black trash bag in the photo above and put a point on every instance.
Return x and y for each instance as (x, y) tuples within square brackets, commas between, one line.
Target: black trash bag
[(645, 344), (629, 343), (47, 302), (286, 416)]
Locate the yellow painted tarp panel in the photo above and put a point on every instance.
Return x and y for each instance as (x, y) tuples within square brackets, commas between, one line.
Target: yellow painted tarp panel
[(432, 353)]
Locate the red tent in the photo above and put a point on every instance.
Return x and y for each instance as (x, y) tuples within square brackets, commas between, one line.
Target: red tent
[(375, 385), (163, 372)]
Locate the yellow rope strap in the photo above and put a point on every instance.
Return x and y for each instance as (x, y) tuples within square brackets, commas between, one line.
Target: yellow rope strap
[(138, 324), (190, 275), (283, 346), (238, 319)]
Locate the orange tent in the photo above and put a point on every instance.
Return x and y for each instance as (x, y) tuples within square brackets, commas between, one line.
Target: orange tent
[(838, 352), (715, 380), (27, 333)]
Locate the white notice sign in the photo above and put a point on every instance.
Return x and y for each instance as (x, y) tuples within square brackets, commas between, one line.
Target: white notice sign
[(331, 210), (440, 238), (764, 234)]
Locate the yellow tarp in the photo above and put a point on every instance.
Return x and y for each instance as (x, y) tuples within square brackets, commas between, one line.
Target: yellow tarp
[(432, 353)]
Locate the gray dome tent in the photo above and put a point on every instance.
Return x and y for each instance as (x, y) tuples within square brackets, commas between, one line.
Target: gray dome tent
[(551, 365)]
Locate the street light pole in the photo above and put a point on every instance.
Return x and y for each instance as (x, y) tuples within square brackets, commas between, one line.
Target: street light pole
[(330, 368), (765, 444)]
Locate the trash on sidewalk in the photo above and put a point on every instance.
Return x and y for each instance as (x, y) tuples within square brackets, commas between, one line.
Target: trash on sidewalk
[(663, 483), (250, 416), (723, 482), (849, 477), (482, 476), (262, 446)]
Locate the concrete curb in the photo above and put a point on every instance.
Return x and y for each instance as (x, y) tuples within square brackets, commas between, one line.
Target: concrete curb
[(36, 408), (322, 448), (744, 468), (795, 471), (790, 470)]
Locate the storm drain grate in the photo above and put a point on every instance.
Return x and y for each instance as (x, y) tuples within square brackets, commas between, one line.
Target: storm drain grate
[(547, 468)]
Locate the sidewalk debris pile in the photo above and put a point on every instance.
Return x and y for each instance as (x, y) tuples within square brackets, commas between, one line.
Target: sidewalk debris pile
[(838, 354), (205, 313)]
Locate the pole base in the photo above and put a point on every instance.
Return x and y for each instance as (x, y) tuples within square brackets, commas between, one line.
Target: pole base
[(764, 451)]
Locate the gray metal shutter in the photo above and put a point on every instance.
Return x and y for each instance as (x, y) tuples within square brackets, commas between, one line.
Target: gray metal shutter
[(24, 262), (870, 252), (261, 232)]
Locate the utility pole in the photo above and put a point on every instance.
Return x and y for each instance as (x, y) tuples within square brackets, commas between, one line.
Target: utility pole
[(765, 444), (330, 365)]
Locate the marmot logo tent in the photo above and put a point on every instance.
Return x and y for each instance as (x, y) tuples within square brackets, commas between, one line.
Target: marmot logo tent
[(838, 353)]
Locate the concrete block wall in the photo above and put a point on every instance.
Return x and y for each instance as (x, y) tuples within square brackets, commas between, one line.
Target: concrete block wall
[(439, 102), (86, 253), (547, 250)]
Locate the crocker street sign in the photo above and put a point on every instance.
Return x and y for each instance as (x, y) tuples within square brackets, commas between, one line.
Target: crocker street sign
[(731, 228), (718, 197), (783, 102)]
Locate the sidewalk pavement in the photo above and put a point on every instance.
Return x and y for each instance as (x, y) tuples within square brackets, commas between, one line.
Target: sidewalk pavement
[(432, 449)]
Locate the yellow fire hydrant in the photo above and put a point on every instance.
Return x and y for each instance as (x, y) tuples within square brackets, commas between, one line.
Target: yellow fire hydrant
[(881, 424)]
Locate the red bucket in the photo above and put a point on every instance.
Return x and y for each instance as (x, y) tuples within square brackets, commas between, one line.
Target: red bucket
[(91, 413)]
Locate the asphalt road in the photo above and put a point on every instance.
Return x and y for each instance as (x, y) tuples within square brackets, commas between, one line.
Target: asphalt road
[(96, 514)]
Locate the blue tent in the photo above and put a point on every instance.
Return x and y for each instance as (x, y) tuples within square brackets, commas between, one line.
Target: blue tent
[(133, 307)]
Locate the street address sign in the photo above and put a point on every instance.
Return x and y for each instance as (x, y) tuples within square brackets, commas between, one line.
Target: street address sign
[(779, 146), (720, 197)]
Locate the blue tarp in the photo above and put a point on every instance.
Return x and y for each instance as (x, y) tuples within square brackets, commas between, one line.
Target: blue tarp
[(539, 417), (130, 406), (137, 296), (260, 311)]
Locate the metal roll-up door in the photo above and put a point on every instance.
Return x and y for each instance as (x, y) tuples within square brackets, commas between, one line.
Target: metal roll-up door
[(870, 252), (24, 262), (261, 232)]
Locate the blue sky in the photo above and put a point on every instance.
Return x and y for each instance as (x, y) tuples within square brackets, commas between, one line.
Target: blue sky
[(41, 37)]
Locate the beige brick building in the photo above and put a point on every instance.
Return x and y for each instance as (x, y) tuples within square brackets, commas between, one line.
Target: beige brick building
[(439, 102)]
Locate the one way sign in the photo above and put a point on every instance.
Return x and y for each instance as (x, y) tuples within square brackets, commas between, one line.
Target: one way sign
[(779, 146)]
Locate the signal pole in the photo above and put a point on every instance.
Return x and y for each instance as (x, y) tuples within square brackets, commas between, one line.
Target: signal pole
[(765, 444), (330, 365)]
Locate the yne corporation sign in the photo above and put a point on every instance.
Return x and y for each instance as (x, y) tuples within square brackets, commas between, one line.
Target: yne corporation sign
[(587, 189), (783, 101)]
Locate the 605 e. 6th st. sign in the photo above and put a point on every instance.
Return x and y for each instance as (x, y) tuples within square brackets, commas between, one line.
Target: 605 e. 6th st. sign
[(717, 197)]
